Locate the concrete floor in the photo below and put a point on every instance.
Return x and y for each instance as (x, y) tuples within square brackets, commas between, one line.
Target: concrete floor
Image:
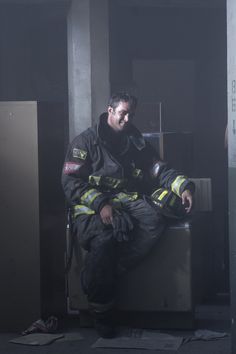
[(221, 346), (209, 317)]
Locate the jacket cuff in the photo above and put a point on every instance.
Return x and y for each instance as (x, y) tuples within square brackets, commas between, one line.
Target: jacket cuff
[(187, 185), (180, 184), (93, 199), (99, 203)]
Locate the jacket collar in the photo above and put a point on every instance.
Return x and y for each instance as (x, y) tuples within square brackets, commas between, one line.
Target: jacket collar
[(133, 134)]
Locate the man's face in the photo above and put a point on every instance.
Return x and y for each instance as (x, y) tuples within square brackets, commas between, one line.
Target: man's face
[(120, 117)]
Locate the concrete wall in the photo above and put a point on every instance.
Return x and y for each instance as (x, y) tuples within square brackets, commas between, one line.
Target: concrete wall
[(88, 63), (197, 36), (34, 67), (231, 61), (33, 52)]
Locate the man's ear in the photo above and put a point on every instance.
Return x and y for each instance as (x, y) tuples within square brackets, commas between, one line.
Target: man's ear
[(110, 110)]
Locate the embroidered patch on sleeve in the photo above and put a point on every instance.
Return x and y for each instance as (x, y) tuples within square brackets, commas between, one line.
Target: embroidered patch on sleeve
[(79, 154), (71, 167)]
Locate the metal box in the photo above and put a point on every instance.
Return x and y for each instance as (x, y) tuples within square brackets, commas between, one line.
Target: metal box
[(162, 290), (31, 212)]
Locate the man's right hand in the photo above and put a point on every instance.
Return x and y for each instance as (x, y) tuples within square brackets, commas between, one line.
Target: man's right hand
[(106, 214)]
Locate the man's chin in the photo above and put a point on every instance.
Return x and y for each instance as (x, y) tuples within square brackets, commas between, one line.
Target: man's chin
[(123, 127)]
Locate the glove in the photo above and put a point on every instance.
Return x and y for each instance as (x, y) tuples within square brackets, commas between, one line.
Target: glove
[(122, 226)]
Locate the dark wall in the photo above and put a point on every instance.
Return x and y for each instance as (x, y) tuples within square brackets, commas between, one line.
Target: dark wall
[(198, 36), (33, 52), (33, 67)]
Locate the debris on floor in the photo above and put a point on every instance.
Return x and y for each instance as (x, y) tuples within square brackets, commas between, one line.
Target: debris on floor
[(141, 339), (127, 338), (43, 332), (155, 340), (37, 339), (205, 334), (41, 326), (46, 338)]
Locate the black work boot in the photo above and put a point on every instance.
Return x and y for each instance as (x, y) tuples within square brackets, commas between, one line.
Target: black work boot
[(104, 323)]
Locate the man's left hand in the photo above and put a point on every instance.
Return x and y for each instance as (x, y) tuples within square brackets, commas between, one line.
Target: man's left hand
[(187, 200)]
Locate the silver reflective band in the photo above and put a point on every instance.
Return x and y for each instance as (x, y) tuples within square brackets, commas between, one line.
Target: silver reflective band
[(175, 186), (89, 196), (82, 209)]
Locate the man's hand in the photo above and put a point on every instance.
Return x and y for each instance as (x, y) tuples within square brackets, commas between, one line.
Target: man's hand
[(122, 226), (106, 214), (187, 200)]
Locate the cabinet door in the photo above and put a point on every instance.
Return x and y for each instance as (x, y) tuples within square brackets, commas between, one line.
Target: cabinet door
[(19, 215)]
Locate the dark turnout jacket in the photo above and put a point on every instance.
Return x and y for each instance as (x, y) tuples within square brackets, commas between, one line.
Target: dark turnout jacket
[(101, 163)]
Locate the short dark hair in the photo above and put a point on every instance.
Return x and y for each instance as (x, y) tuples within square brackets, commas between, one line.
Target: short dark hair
[(118, 97)]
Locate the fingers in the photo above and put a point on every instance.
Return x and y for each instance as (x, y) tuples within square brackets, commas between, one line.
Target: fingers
[(187, 200), (107, 220), (106, 214), (189, 204), (190, 200)]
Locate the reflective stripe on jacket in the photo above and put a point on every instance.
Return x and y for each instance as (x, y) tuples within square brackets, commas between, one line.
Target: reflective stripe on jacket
[(95, 171)]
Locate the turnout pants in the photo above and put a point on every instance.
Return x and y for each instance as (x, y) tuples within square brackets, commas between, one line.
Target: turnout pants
[(106, 259)]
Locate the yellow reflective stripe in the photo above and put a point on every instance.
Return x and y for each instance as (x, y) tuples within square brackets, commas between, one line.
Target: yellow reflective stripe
[(82, 209), (95, 180), (106, 181), (90, 196), (113, 182), (162, 195), (159, 195), (176, 184), (116, 202), (127, 197), (137, 173)]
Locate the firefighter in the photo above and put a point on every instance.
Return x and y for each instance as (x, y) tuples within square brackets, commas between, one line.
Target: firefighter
[(108, 171)]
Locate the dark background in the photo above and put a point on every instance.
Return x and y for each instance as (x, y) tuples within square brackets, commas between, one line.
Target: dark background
[(188, 47)]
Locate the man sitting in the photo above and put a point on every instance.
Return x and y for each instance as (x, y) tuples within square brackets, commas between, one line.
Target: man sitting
[(108, 171)]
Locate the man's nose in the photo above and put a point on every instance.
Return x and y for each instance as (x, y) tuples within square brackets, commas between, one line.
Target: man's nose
[(126, 118)]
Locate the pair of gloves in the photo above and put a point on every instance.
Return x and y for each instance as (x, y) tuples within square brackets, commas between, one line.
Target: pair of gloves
[(122, 226)]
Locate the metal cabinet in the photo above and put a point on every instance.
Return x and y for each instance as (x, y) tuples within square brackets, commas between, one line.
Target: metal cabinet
[(161, 292), (32, 229), (157, 293)]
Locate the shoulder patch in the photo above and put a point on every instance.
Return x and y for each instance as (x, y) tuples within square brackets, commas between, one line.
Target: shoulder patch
[(71, 167), (79, 154)]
